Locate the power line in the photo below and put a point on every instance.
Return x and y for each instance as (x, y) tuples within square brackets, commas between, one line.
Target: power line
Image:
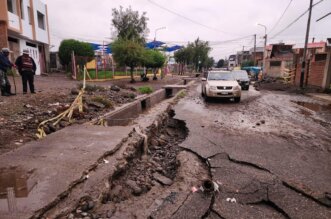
[(293, 22), (186, 18), (280, 17)]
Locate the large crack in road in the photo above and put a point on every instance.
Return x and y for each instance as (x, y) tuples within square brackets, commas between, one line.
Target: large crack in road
[(261, 155)]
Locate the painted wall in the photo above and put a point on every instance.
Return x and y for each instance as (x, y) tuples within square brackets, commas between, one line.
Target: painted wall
[(41, 35), (26, 26), (13, 21)]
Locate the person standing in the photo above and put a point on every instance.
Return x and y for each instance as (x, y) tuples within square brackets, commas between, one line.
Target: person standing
[(5, 64), (27, 69)]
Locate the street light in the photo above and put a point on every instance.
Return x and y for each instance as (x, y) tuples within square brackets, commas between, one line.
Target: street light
[(157, 29), (265, 47)]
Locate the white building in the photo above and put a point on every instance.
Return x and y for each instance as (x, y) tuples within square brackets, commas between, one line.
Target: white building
[(24, 25)]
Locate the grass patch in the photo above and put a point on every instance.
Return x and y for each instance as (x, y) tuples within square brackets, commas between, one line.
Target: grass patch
[(145, 90), (182, 94)]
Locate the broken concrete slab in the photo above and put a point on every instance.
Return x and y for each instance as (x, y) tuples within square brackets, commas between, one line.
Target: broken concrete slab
[(61, 159)]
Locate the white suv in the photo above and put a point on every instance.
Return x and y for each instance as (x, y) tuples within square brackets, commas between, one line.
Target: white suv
[(221, 84)]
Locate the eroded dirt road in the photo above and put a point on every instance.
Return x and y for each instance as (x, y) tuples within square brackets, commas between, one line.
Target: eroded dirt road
[(270, 153)]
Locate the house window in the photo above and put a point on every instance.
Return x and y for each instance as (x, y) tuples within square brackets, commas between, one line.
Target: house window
[(11, 5), (320, 57), (29, 15), (275, 63), (22, 9), (41, 20)]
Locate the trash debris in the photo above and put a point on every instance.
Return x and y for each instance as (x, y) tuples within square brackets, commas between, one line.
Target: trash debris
[(232, 200), (54, 104), (106, 161), (194, 189)]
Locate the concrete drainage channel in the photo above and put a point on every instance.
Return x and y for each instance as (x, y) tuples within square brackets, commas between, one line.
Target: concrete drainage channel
[(139, 179), (143, 184)]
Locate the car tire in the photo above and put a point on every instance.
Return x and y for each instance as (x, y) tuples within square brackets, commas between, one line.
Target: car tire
[(237, 99), (202, 93), (247, 88)]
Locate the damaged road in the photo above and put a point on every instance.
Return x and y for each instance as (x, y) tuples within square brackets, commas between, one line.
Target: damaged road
[(270, 155), (266, 157)]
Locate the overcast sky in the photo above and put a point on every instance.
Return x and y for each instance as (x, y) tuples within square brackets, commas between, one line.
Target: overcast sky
[(215, 21)]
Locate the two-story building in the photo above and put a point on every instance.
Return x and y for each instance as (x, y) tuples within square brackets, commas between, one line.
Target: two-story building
[(24, 25)]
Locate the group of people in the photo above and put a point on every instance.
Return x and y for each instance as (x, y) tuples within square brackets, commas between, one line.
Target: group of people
[(26, 67)]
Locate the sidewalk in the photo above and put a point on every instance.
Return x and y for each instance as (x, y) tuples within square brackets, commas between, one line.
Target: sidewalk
[(320, 96)]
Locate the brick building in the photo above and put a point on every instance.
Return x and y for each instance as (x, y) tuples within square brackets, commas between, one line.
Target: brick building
[(24, 25), (279, 57), (318, 65)]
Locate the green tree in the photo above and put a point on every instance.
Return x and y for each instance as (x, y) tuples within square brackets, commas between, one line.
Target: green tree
[(129, 24), (82, 49), (154, 59), (210, 62), (128, 53), (247, 63), (201, 50), (220, 63)]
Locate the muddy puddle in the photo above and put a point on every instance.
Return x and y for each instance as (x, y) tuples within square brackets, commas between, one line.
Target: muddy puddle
[(20, 180), (310, 108), (314, 106)]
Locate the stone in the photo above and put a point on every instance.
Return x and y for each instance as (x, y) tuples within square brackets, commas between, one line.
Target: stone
[(96, 104), (258, 124), (64, 124), (74, 91), (162, 179), (262, 121), (136, 190), (115, 88)]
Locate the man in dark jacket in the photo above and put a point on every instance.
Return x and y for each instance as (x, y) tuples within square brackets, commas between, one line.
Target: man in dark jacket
[(5, 64), (27, 68)]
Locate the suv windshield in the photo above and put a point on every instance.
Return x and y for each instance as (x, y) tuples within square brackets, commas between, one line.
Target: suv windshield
[(240, 74), (226, 76)]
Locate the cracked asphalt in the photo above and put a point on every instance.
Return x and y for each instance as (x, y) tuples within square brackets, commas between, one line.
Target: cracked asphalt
[(267, 152)]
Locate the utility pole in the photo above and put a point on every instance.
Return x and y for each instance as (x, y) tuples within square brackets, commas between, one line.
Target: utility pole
[(254, 49), (265, 53), (303, 64)]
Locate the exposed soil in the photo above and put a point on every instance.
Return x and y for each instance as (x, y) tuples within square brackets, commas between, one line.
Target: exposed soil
[(21, 114)]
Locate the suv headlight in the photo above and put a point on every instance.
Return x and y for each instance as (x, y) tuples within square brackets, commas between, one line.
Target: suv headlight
[(237, 87), (212, 87)]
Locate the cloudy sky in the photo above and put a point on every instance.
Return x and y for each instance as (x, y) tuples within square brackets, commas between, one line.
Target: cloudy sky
[(229, 25)]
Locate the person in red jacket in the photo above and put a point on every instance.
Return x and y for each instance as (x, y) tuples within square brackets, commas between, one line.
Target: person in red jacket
[(27, 69)]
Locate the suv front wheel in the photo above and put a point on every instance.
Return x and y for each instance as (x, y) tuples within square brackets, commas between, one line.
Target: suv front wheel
[(237, 99)]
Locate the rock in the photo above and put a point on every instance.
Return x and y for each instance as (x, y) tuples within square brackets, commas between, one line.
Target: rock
[(162, 179), (96, 104), (64, 124), (84, 214), (90, 205), (136, 190), (74, 91), (51, 127), (28, 106), (258, 124), (262, 121), (115, 88), (71, 216)]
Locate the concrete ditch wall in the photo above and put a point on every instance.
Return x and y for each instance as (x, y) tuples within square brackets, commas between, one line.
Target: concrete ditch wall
[(125, 115)]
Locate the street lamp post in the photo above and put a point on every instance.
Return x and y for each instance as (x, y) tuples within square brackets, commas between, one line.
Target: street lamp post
[(265, 47), (157, 29)]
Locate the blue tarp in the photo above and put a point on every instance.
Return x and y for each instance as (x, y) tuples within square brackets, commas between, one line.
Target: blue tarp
[(100, 48), (154, 44), (173, 48)]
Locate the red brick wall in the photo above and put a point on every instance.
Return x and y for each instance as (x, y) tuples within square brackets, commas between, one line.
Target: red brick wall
[(3, 34), (315, 75)]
